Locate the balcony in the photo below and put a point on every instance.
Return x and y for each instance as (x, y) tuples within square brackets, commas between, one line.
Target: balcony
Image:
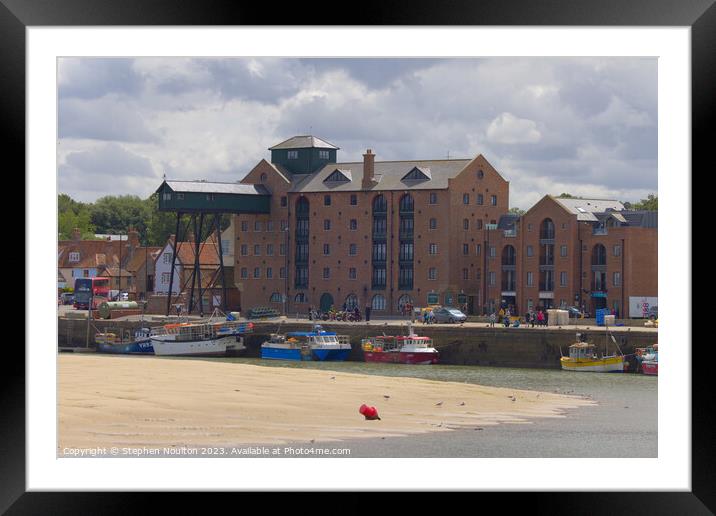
[(406, 234), (599, 231), (379, 234), (509, 233)]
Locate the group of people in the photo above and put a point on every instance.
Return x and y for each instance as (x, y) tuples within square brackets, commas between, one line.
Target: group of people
[(504, 317), (332, 314)]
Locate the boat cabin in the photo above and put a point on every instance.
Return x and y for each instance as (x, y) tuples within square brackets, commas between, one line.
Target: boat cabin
[(582, 350)]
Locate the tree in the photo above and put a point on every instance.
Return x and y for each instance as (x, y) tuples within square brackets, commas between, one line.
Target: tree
[(517, 211), (72, 214), (116, 214), (566, 196), (651, 203)]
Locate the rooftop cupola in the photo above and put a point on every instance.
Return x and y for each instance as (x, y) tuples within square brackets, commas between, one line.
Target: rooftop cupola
[(303, 154)]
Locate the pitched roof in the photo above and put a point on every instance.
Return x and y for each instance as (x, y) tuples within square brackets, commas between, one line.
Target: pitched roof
[(585, 209), (304, 142), (213, 187), (115, 271), (93, 253), (389, 175), (140, 255), (208, 252)]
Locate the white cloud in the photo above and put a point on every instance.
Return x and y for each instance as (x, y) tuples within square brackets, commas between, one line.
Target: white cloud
[(509, 129)]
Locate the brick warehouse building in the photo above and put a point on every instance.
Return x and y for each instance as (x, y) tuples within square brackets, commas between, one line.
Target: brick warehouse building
[(383, 233)]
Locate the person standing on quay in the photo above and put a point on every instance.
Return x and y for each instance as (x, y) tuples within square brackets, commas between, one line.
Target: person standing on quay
[(367, 313), (492, 320)]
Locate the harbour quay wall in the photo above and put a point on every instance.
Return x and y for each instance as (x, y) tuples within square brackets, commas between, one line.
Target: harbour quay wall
[(458, 345)]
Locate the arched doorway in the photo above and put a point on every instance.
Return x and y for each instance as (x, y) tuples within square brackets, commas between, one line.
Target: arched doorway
[(351, 302), (404, 300), (326, 302)]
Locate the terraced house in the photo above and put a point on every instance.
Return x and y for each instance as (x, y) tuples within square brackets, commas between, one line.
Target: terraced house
[(386, 233)]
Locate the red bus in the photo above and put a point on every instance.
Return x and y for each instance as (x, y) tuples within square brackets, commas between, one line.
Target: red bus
[(94, 289)]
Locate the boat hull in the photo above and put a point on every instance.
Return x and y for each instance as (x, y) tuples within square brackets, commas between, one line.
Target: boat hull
[(330, 355), (143, 347), (281, 353), (650, 368), (402, 357), (601, 365), (212, 347)]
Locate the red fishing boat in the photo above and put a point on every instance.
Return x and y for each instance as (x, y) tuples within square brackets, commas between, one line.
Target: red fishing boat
[(400, 349)]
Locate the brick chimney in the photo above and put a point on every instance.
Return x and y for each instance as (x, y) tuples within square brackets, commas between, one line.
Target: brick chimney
[(76, 234), (133, 237), (368, 170)]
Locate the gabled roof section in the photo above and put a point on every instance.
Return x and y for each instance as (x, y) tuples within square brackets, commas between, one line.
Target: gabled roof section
[(418, 174), (585, 209), (209, 187), (304, 142), (338, 176)]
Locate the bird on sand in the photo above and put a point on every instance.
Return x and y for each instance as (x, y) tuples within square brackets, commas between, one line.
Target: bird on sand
[(438, 403), (462, 404), (386, 396)]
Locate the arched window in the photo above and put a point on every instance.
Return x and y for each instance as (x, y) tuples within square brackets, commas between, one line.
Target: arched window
[(465, 224), (378, 302), (351, 301), (404, 300), (599, 255), (508, 255), (546, 230), (300, 298), (263, 177), (302, 206), (275, 297), (379, 204), (406, 203)]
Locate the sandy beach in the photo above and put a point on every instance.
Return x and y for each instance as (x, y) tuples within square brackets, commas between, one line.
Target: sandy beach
[(147, 401)]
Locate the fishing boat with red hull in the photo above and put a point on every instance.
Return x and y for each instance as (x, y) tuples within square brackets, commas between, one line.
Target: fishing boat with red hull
[(400, 349)]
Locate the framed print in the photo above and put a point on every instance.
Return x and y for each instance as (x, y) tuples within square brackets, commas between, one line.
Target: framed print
[(436, 188)]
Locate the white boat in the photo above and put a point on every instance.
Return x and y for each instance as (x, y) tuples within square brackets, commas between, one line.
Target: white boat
[(208, 338)]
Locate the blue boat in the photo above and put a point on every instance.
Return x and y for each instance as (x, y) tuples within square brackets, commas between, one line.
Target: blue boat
[(312, 345), (119, 343)]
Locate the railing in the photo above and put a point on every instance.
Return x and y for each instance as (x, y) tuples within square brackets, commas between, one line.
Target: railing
[(406, 234)]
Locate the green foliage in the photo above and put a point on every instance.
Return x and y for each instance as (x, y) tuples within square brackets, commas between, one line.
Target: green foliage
[(517, 211), (651, 203), (72, 214), (566, 196), (114, 215)]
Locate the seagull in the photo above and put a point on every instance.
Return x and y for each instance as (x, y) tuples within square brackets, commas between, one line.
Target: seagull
[(438, 403), (462, 404), (333, 377), (386, 396), (513, 398)]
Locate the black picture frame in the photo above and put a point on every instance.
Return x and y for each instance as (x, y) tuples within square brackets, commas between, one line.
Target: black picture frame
[(17, 15)]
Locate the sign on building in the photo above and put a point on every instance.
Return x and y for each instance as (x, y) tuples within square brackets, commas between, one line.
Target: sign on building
[(639, 306)]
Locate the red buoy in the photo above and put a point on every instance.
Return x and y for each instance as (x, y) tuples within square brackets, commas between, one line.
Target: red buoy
[(369, 412)]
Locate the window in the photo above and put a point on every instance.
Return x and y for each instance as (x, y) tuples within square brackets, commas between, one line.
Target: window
[(180, 197), (300, 298), (326, 200), (529, 227), (353, 249), (433, 298), (617, 279), (244, 225), (465, 274), (257, 272), (225, 246), (480, 199), (565, 225), (326, 273), (493, 200), (433, 198), (563, 250), (269, 273), (562, 279), (433, 248), (210, 197), (432, 273), (379, 251), (293, 154), (617, 250), (326, 224), (323, 154), (465, 224), (465, 249), (433, 223), (257, 225), (478, 248), (269, 225), (354, 199), (466, 198), (530, 279), (282, 249), (378, 302), (530, 251), (244, 272), (282, 273), (480, 174), (353, 225), (492, 278), (269, 249), (406, 252), (244, 250), (165, 277), (284, 201), (284, 225), (352, 273), (275, 298), (326, 249), (379, 278), (167, 257), (478, 224), (166, 196), (257, 250), (493, 251)]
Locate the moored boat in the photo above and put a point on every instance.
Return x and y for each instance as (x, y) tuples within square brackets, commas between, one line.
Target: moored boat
[(314, 345), (117, 341), (649, 360), (203, 338), (583, 357), (400, 349)]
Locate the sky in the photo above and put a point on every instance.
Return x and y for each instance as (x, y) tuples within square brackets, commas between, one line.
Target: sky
[(585, 126)]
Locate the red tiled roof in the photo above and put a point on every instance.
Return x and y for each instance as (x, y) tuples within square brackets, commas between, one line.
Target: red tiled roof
[(208, 252)]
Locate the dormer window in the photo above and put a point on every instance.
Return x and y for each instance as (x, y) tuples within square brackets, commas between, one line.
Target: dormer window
[(293, 154), (323, 154), (74, 257), (338, 176), (418, 174)]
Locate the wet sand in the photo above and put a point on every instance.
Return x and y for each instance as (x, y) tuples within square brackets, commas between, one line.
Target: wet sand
[(109, 401)]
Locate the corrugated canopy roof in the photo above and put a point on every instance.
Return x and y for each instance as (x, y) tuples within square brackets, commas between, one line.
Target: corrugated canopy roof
[(221, 188), (304, 142)]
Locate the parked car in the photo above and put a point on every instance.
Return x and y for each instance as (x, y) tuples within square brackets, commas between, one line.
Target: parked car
[(576, 312), (67, 298), (449, 315)]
